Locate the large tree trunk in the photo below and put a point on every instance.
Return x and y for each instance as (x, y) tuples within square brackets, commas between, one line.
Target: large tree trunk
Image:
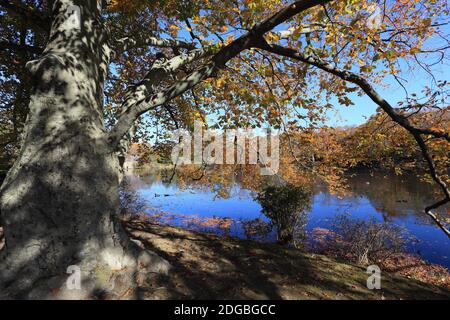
[(59, 201)]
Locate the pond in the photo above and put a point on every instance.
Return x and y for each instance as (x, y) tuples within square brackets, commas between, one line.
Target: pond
[(385, 197)]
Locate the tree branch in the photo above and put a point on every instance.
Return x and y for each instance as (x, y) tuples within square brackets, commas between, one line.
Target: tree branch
[(128, 43), (356, 79), (134, 110), (284, 34), (396, 117), (160, 70), (145, 104)]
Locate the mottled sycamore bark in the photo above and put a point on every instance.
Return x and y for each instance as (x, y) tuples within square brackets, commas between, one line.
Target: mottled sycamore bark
[(60, 199)]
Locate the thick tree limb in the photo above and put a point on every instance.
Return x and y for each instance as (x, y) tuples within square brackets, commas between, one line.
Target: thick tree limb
[(356, 79), (145, 104), (127, 43), (284, 14), (432, 168), (136, 95), (284, 34), (163, 67), (438, 221), (396, 117), (161, 70), (218, 61)]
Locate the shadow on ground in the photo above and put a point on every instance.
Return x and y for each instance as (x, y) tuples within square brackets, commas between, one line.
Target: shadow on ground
[(207, 266)]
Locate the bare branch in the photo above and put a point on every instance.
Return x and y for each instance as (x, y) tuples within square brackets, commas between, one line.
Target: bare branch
[(284, 34), (134, 110), (432, 167), (356, 79), (128, 43), (396, 117)]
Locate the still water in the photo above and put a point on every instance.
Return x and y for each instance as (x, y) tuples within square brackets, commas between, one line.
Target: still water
[(397, 200)]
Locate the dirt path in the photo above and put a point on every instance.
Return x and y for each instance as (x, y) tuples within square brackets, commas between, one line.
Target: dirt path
[(207, 266)]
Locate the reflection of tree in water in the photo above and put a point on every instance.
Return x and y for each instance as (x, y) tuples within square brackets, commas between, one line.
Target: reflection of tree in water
[(222, 180), (219, 179), (393, 196), (390, 195), (164, 176), (286, 207)]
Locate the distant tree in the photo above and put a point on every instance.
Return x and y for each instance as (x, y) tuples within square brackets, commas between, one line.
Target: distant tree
[(84, 78)]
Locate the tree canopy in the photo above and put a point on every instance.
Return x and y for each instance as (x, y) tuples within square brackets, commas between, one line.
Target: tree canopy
[(248, 63)]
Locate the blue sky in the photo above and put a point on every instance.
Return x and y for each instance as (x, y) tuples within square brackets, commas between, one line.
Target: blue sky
[(413, 80), (392, 92)]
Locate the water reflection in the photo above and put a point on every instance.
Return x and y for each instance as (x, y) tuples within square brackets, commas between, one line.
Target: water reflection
[(394, 196), (231, 198), (286, 207)]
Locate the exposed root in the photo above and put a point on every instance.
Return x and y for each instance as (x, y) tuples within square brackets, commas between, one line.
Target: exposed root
[(108, 274)]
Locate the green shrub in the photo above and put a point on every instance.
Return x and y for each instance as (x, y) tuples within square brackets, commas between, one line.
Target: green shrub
[(286, 206)]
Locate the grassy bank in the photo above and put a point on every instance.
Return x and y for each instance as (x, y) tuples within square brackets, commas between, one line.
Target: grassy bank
[(207, 266)]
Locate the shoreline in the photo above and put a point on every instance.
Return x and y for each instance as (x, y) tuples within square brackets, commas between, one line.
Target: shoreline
[(208, 266)]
